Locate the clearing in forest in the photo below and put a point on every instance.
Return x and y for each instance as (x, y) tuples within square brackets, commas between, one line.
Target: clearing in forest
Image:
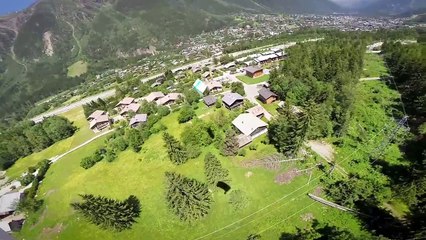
[(77, 69)]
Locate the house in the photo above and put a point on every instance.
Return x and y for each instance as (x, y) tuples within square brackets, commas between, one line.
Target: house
[(9, 203), (169, 99), (257, 111), (229, 65), (254, 71), (138, 119), (266, 58), (206, 75), (12, 223), (133, 107), (210, 100), (100, 123), (199, 86), (250, 125), (96, 114), (154, 96), (232, 100), (214, 86), (125, 102), (267, 96)]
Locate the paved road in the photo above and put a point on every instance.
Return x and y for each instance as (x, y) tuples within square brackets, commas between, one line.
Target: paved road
[(369, 79), (111, 92), (71, 106)]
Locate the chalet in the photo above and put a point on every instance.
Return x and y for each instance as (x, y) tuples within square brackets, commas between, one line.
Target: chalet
[(154, 96), (125, 102), (232, 100), (133, 107), (250, 125), (210, 100), (206, 75), (254, 71), (199, 86), (214, 86), (229, 65), (169, 99), (138, 119), (257, 111), (96, 114), (100, 123), (9, 203), (267, 96)]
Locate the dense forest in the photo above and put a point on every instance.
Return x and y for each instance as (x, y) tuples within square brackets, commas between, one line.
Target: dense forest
[(28, 137), (324, 99)]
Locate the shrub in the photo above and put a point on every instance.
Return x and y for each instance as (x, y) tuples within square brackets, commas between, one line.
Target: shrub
[(110, 156), (32, 169), (218, 103), (238, 200), (242, 153), (87, 162), (163, 111), (27, 179), (186, 114), (253, 147)]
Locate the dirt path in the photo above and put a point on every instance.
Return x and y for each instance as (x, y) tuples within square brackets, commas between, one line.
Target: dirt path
[(75, 38), (326, 152), (12, 50), (369, 79)]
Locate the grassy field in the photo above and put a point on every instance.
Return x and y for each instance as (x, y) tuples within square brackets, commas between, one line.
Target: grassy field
[(77, 69), (374, 66), (142, 174), (271, 108), (83, 134), (250, 80)]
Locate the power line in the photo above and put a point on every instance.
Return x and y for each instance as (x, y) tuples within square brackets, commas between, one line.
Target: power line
[(280, 199)]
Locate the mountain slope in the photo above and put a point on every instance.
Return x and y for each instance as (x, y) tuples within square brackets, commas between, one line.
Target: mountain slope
[(39, 44), (393, 7)]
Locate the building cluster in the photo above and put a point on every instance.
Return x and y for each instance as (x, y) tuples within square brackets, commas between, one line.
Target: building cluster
[(10, 219)]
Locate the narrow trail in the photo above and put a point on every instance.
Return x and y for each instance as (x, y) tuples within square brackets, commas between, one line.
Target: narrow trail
[(75, 38), (13, 55)]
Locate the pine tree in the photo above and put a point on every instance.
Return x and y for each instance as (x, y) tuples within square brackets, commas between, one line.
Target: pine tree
[(109, 213), (214, 171), (177, 152), (230, 145), (187, 198)]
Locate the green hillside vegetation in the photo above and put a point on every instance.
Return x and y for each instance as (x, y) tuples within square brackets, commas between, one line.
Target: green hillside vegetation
[(373, 66), (77, 69)]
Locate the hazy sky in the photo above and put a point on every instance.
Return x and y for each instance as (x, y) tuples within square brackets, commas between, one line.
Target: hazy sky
[(352, 3)]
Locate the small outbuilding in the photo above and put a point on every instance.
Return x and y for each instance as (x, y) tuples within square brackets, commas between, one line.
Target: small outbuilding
[(254, 71), (267, 96), (210, 100), (199, 86)]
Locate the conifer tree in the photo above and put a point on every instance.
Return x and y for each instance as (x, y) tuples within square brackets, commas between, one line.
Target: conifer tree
[(187, 198), (109, 213), (176, 151), (214, 171)]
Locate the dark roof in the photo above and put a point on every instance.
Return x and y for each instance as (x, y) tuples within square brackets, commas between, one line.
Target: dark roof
[(253, 69), (209, 100), (231, 98), (266, 93)]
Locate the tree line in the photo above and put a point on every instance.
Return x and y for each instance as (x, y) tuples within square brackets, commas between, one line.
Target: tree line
[(317, 82), (28, 137)]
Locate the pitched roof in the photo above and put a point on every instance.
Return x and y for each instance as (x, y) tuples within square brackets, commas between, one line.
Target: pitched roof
[(138, 118), (134, 107), (96, 114), (247, 123), (199, 86), (253, 69), (266, 93), (243, 140), (153, 96), (256, 110), (100, 119), (230, 98), (214, 84), (209, 100), (126, 101), (9, 202), (169, 97)]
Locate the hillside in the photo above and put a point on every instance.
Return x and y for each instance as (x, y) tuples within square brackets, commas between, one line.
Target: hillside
[(393, 7)]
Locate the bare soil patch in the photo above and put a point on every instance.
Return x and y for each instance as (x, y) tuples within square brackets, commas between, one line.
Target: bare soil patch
[(287, 177), (271, 162), (50, 233)]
